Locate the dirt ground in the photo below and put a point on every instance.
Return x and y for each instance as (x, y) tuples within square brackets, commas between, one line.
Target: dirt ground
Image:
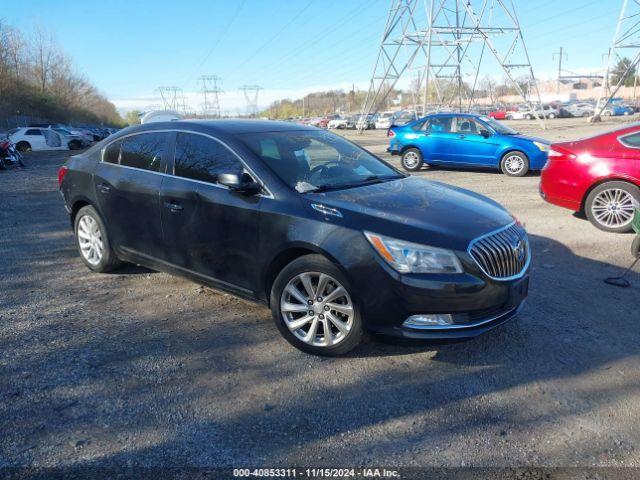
[(138, 368)]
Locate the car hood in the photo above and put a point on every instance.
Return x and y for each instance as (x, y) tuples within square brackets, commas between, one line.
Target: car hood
[(414, 209)]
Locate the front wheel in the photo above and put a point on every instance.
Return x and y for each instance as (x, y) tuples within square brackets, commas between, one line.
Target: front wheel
[(314, 308), (611, 205), (412, 159), (514, 164), (552, 115), (23, 147), (93, 242)]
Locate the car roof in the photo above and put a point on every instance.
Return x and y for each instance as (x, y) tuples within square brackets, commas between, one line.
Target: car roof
[(456, 114), (232, 126)]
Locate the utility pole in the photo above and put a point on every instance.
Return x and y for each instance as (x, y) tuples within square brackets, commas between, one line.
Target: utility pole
[(560, 55), (626, 39), (172, 98), (211, 92), (451, 40), (251, 93)]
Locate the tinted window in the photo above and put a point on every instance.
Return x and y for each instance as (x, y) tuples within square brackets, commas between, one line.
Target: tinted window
[(202, 158), (632, 140), (112, 152), (143, 151), (33, 131), (439, 124)]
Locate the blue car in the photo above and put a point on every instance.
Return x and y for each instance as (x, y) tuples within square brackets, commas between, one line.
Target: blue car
[(466, 140)]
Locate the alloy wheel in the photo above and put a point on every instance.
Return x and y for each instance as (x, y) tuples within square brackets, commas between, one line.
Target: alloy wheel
[(317, 309), (411, 159), (613, 208), (514, 164), (90, 240)]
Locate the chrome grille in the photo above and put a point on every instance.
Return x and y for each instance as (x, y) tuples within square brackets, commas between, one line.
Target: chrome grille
[(503, 254)]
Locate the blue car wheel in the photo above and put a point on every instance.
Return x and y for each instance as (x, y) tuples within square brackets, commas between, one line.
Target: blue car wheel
[(412, 159), (514, 164)]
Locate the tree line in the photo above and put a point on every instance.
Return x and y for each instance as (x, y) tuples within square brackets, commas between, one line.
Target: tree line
[(38, 80)]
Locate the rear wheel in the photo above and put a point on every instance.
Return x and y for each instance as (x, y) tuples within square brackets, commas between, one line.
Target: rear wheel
[(75, 145), (514, 164), (412, 159), (23, 146), (314, 308), (610, 206), (93, 241)]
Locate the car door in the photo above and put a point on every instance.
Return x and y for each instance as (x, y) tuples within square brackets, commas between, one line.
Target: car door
[(35, 138), (434, 139), (475, 143), (209, 230), (127, 184)]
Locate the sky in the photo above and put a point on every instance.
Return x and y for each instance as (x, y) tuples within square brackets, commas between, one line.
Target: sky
[(130, 48)]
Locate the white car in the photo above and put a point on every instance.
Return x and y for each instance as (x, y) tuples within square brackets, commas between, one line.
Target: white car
[(27, 139), (385, 119), (341, 123)]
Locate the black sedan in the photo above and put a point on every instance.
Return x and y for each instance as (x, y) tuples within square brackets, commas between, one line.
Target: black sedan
[(332, 238)]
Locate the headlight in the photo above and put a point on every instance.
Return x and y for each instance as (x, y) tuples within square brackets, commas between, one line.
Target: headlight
[(543, 147), (408, 257)]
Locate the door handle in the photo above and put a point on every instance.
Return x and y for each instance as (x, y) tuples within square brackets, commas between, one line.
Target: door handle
[(104, 188), (462, 135), (173, 206)]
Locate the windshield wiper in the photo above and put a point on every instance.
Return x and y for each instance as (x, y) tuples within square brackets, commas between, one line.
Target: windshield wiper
[(370, 180)]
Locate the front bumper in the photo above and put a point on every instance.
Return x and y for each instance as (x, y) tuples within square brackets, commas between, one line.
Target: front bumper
[(475, 302), (466, 324)]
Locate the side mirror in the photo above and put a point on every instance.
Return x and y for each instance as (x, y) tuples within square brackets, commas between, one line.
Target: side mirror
[(241, 183)]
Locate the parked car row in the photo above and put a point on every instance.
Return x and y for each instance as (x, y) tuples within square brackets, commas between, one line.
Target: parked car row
[(598, 176), (559, 110), (56, 137)]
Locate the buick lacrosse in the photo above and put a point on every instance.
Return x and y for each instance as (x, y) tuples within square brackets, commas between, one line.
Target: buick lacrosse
[(333, 239)]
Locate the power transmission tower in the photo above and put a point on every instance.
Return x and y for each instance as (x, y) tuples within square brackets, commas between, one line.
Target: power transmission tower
[(173, 98), (251, 93), (449, 41), (561, 56), (626, 39), (211, 92)]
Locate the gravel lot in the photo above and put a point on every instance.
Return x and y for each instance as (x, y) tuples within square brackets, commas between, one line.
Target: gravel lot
[(138, 368)]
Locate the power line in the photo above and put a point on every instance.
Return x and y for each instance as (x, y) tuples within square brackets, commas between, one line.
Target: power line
[(222, 35)]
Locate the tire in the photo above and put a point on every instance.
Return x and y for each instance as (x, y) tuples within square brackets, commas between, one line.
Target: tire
[(75, 145), (23, 146), (606, 114), (86, 218), (509, 117), (528, 117), (585, 114), (512, 159), (600, 203), (345, 330), (412, 159), (552, 116)]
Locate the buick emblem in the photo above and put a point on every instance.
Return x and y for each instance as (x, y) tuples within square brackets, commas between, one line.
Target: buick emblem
[(519, 249)]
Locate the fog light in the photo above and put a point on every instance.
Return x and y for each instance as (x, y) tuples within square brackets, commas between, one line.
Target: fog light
[(428, 320)]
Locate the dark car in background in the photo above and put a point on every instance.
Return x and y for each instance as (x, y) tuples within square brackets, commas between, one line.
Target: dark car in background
[(332, 238)]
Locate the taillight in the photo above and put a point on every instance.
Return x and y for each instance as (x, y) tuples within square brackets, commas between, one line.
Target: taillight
[(61, 174), (557, 152), (391, 133)]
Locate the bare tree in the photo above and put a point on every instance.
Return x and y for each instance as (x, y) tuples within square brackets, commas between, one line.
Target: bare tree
[(44, 56)]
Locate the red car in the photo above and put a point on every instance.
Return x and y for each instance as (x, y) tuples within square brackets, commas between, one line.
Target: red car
[(599, 176), (498, 114)]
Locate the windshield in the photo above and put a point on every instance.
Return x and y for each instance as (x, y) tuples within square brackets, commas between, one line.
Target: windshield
[(500, 128), (316, 160)]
